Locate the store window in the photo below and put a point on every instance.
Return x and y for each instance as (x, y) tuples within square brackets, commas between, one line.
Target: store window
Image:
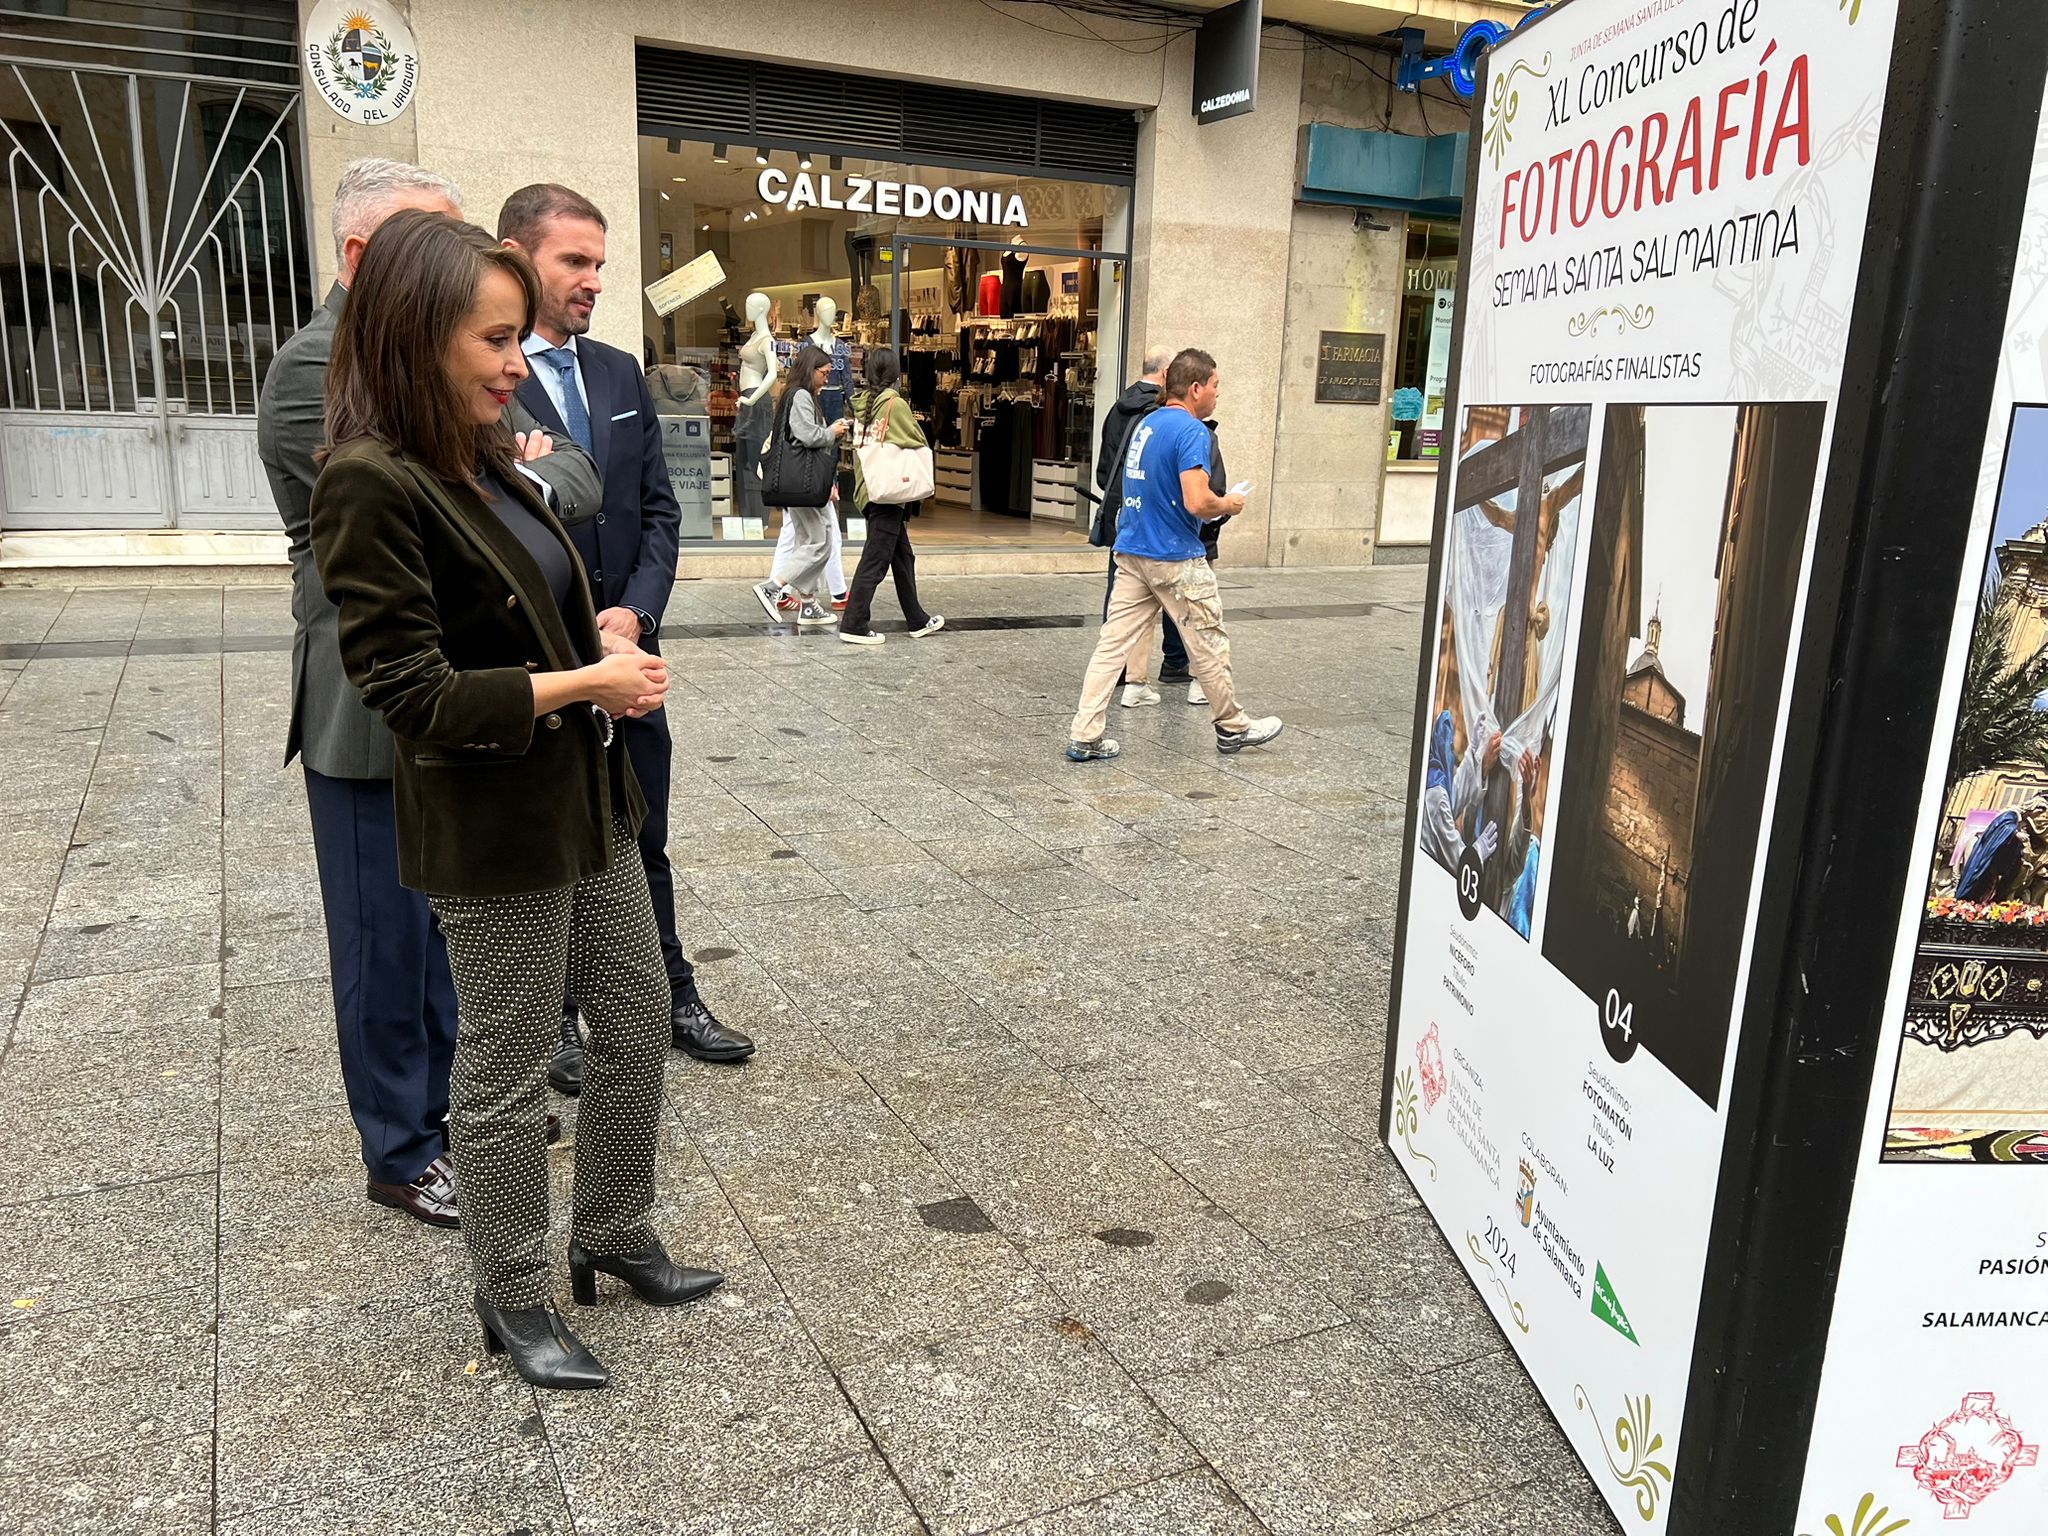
[(1422, 350), (1004, 294)]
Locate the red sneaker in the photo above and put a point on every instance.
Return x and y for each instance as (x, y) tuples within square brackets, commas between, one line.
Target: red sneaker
[(839, 603), (790, 601)]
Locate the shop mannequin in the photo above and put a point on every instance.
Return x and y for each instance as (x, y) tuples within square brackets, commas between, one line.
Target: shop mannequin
[(756, 414), (832, 398), (758, 362)]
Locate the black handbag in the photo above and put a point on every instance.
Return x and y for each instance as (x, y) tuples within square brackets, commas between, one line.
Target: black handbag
[(792, 474)]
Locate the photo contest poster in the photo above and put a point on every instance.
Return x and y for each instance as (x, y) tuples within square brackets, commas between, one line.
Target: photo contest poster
[(1934, 1395), (1663, 246)]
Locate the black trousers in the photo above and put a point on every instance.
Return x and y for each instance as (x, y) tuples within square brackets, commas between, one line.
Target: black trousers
[(649, 749), (394, 999), (887, 551)]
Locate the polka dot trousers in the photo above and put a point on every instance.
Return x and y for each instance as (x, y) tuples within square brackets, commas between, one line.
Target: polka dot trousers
[(514, 958)]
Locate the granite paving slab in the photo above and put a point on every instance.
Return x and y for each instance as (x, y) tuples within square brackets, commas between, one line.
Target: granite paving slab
[(1052, 1202)]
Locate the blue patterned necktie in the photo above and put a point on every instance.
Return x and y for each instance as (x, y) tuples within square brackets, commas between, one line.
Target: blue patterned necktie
[(575, 415)]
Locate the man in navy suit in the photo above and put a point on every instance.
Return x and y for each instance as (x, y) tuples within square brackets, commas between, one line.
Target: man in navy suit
[(597, 396)]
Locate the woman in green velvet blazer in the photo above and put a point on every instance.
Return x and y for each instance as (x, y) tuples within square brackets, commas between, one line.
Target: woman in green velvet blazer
[(466, 622)]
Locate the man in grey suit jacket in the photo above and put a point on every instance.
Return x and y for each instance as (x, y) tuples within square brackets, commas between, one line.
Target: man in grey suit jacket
[(394, 1000)]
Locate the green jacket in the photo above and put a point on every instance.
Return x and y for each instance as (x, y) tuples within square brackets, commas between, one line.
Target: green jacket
[(444, 619), (899, 424)]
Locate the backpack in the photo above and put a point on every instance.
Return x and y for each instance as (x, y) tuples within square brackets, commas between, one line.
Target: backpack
[(1103, 534)]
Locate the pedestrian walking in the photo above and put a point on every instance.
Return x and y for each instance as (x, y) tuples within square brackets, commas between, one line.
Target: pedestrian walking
[(802, 433), (1173, 650), (394, 1000), (597, 396), (467, 622), (885, 417), (1162, 568), (835, 568)]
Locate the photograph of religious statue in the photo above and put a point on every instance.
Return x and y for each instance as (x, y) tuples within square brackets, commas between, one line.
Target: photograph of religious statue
[(1693, 555), (1972, 1080), (1501, 647)]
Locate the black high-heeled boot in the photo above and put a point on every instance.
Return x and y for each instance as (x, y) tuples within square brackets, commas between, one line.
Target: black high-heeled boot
[(660, 1281), (543, 1349)]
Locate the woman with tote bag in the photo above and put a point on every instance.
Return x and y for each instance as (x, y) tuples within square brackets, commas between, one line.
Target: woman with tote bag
[(799, 473), (893, 462)]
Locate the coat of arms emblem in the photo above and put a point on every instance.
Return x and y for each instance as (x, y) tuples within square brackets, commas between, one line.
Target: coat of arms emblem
[(361, 59), (360, 55)]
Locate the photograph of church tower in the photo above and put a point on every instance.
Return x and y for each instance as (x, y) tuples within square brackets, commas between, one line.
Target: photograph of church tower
[(1691, 578)]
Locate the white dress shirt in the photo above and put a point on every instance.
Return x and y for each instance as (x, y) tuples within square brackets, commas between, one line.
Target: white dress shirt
[(550, 377)]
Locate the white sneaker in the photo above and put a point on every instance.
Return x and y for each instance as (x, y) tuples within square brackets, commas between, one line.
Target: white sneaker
[(932, 625), (853, 638), (813, 616), (769, 596), (1137, 695), (1257, 734), (1195, 694)]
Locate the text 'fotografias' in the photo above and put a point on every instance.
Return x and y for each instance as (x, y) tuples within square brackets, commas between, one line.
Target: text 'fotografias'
[(1751, 127)]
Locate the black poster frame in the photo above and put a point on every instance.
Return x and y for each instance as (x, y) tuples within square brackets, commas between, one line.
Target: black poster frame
[(1964, 92)]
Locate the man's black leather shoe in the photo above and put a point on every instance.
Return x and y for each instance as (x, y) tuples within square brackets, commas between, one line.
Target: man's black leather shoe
[(565, 1071), (698, 1033)]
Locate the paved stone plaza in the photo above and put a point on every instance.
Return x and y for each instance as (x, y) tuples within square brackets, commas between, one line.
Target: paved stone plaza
[(1053, 1202)]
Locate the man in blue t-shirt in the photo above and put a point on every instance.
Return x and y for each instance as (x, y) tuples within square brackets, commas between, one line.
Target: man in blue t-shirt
[(1160, 564)]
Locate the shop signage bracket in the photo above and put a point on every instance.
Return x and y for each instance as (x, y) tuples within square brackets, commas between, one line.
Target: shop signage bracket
[(1227, 61)]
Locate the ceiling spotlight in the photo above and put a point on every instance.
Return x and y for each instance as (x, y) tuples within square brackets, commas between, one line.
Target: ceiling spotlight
[(838, 162), (760, 157), (718, 154), (704, 229), (664, 197), (750, 218), (803, 159), (679, 180)]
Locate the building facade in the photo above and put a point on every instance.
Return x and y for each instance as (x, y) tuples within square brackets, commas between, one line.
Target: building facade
[(1321, 277)]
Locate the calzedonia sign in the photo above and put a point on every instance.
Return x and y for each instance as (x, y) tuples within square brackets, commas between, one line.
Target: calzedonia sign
[(899, 199), (1227, 61)]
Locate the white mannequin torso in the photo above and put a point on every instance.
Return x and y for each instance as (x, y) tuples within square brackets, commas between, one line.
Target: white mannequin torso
[(758, 364)]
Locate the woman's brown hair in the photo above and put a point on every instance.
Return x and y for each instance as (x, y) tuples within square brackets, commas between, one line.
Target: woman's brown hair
[(418, 279), (808, 360)]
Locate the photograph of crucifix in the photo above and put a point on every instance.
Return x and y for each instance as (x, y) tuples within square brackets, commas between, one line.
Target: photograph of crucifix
[(1692, 575), (1508, 558)]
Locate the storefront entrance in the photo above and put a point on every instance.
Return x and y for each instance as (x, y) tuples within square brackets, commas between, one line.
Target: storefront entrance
[(1001, 285)]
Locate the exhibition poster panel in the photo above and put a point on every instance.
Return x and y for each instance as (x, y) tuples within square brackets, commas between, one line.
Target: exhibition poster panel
[(1934, 1396), (1665, 232)]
